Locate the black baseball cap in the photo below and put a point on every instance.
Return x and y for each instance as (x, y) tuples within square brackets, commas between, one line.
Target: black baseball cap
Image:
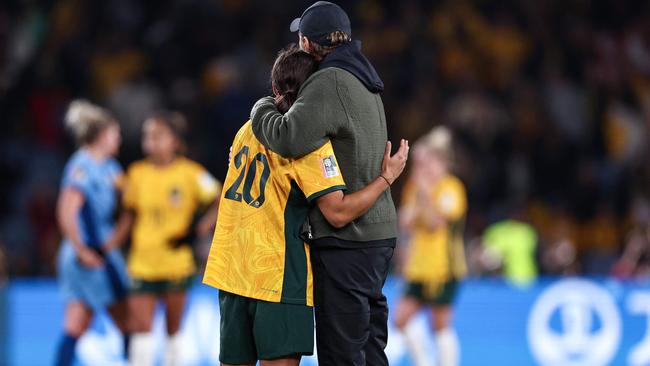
[(321, 19)]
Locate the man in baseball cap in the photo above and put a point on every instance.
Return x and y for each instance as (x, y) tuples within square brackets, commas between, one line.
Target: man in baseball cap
[(321, 19), (340, 102)]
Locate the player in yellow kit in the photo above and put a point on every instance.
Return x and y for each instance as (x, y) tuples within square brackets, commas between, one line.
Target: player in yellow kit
[(163, 194), (259, 259), (433, 214)]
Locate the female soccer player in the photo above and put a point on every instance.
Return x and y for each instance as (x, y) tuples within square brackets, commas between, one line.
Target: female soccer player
[(433, 211), (92, 273), (163, 195)]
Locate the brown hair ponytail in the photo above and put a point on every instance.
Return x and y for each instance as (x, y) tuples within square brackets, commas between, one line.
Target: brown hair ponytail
[(290, 70)]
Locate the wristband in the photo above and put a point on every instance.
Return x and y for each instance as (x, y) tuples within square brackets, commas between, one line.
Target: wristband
[(386, 179)]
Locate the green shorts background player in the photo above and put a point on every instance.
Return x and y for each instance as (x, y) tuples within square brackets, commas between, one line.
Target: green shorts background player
[(432, 213)]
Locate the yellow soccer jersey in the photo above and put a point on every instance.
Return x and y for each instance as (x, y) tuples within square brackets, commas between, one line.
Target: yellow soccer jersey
[(437, 255), (164, 200), (257, 251)]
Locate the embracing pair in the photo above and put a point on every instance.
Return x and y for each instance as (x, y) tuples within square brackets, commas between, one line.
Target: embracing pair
[(306, 219)]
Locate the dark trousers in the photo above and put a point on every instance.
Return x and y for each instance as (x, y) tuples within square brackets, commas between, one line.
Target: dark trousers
[(351, 310)]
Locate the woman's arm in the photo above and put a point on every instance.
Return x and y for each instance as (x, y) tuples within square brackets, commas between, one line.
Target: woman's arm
[(69, 204), (121, 231), (426, 212), (406, 217), (208, 221), (340, 209)]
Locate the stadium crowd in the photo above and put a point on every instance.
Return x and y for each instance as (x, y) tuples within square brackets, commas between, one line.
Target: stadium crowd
[(549, 103)]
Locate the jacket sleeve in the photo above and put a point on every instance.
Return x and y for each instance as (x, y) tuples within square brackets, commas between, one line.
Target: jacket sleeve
[(304, 128)]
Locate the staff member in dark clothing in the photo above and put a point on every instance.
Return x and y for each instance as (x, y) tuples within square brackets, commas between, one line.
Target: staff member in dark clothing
[(340, 102)]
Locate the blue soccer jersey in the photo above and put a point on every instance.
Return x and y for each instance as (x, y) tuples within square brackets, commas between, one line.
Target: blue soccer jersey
[(96, 180), (95, 287)]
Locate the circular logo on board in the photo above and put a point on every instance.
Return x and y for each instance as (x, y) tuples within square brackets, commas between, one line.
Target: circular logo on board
[(574, 323)]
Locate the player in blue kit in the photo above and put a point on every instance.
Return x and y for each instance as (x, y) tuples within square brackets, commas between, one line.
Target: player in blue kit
[(92, 273)]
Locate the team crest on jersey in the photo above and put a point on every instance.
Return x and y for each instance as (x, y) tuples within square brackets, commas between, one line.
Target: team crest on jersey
[(79, 174), (330, 169), (175, 196)]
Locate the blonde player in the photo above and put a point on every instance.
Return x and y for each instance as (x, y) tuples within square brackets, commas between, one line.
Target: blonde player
[(91, 270), (259, 259), (433, 212), (163, 193)]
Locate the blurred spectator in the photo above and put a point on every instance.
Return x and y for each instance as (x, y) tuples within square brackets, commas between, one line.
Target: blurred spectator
[(635, 259), (550, 101), (558, 250)]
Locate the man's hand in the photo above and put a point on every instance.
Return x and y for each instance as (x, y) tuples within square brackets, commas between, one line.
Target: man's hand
[(340, 209), (393, 166)]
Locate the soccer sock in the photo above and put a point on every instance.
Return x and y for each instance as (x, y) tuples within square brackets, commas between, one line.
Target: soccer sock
[(448, 348), (173, 351), (66, 350), (416, 346), (126, 344), (141, 349)]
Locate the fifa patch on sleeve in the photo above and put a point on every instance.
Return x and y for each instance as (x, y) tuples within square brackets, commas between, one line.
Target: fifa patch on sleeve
[(207, 183), (330, 169)]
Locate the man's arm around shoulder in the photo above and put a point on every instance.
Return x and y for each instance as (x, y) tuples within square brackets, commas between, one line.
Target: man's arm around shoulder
[(339, 209), (306, 126)]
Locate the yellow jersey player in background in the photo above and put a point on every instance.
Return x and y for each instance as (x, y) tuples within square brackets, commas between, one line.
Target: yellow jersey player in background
[(433, 214), (164, 193), (259, 259)]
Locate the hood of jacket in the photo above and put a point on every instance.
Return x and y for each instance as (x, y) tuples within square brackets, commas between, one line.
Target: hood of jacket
[(348, 57)]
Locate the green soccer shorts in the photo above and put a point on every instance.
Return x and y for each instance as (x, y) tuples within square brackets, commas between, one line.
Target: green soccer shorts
[(254, 330), (160, 287), (444, 296)]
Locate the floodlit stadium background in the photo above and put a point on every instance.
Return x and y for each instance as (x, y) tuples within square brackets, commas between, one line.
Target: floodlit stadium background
[(549, 101)]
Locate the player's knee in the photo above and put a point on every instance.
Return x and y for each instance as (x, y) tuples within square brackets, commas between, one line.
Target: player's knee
[(75, 328), (77, 321), (439, 324), (139, 324), (441, 320), (400, 321)]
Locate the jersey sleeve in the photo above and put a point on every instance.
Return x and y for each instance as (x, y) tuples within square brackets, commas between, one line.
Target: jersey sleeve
[(76, 175), (207, 187), (318, 173), (452, 201)]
